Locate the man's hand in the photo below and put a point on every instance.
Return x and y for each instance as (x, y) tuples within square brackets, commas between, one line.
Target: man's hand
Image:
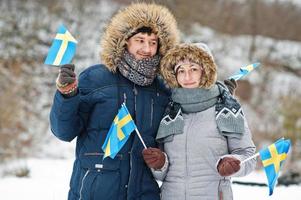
[(66, 75), (154, 158), (228, 166), (66, 81)]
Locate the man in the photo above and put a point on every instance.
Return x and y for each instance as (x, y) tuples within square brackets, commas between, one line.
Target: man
[(132, 45)]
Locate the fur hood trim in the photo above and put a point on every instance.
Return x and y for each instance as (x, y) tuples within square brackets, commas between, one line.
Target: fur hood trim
[(194, 53), (131, 18)]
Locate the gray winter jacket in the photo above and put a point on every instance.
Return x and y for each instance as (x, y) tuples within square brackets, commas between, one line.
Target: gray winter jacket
[(191, 173)]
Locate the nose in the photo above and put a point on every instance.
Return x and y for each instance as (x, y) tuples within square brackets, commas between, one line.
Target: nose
[(146, 48), (187, 76)]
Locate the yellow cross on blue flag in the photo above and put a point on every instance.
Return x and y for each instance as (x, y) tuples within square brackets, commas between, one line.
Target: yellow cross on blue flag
[(121, 129), (243, 71), (272, 159), (62, 49)]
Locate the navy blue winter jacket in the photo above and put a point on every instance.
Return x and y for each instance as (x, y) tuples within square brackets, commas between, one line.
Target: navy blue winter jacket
[(88, 117)]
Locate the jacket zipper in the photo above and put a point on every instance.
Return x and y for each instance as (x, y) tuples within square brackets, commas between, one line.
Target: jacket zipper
[(135, 98), (186, 150), (152, 112), (131, 161), (124, 98), (82, 185), (93, 154), (186, 166)]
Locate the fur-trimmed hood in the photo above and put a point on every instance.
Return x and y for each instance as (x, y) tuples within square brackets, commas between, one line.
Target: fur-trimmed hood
[(131, 18), (198, 53)]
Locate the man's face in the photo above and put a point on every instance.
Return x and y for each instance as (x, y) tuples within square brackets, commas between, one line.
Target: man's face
[(143, 45)]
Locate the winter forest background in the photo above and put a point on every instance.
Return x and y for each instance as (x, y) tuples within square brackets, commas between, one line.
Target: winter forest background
[(238, 32)]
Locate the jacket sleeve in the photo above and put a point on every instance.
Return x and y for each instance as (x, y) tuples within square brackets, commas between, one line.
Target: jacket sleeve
[(66, 121), (242, 148)]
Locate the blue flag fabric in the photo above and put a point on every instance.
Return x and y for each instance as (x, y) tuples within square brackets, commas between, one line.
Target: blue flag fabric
[(62, 49), (243, 71), (272, 159), (121, 128)]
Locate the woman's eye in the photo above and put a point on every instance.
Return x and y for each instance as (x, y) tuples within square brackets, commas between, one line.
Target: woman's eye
[(195, 69)]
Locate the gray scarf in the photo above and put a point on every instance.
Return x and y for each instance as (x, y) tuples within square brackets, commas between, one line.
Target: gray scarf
[(196, 99), (229, 115), (141, 72)]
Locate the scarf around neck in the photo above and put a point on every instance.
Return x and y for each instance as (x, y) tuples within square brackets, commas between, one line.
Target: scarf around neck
[(196, 99), (228, 113), (141, 72)]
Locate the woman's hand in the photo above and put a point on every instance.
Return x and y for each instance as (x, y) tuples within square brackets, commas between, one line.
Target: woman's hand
[(228, 166), (231, 85), (154, 158)]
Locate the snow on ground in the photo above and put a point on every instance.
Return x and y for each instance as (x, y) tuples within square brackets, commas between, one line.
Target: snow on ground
[(242, 192), (49, 180)]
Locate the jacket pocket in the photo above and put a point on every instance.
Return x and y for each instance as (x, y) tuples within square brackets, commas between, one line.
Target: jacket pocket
[(97, 184), (82, 190), (101, 179), (95, 161)]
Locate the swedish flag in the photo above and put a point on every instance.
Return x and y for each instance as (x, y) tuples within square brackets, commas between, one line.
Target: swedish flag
[(121, 128), (62, 49), (272, 159), (243, 71)]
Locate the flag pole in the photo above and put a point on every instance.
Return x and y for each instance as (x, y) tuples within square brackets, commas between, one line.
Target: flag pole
[(138, 133), (254, 156), (136, 129)]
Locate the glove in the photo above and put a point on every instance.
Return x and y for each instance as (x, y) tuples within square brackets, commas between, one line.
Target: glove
[(154, 158), (228, 166), (231, 85), (66, 81)]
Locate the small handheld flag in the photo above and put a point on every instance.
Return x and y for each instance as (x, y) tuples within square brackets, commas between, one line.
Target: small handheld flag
[(272, 159), (62, 49), (121, 128), (243, 71)]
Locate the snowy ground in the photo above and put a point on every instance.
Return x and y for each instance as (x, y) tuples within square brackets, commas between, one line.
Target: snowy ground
[(49, 180), (242, 192)]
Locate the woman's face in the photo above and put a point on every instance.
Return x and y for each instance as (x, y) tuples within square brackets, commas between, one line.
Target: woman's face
[(189, 74)]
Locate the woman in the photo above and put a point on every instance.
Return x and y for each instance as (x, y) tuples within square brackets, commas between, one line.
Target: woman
[(204, 133)]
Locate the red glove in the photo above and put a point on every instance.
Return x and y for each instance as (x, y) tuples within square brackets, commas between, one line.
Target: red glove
[(228, 166), (153, 157)]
